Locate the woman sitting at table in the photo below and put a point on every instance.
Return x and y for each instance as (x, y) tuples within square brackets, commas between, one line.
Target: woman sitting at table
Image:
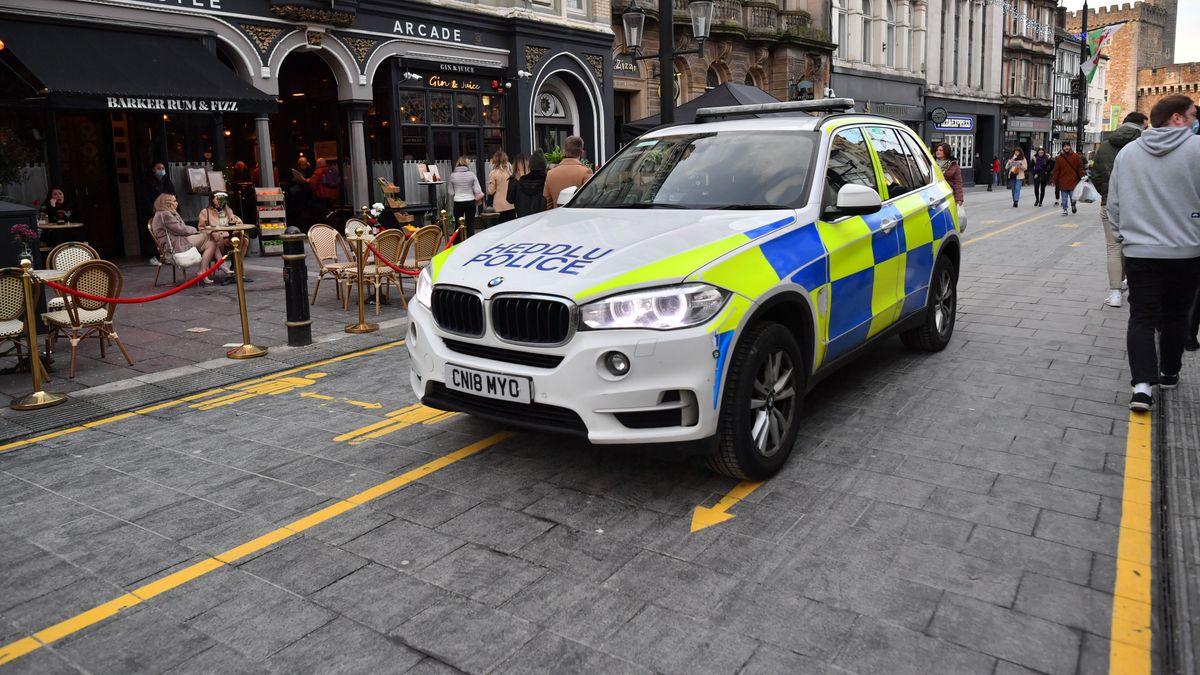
[(176, 236), (218, 214), (56, 206)]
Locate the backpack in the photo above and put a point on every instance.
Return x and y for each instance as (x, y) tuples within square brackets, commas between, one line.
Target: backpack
[(330, 178)]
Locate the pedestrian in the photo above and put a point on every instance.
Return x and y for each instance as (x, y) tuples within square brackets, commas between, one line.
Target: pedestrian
[(528, 192), (1040, 173), (950, 169), (1193, 333), (497, 187), (157, 183), (1100, 172), (1153, 199), (1068, 170), (325, 183), (995, 173), (570, 171), (1016, 167), (465, 191)]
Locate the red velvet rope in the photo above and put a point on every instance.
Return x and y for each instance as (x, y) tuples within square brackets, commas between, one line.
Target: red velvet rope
[(131, 301), (401, 270), (450, 241)]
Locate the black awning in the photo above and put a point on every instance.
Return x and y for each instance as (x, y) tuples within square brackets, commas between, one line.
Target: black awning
[(92, 67)]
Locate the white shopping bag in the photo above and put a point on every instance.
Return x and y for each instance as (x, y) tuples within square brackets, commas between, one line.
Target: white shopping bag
[(1085, 192)]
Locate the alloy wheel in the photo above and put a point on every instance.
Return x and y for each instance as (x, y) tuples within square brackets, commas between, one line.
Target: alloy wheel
[(943, 302), (771, 404)]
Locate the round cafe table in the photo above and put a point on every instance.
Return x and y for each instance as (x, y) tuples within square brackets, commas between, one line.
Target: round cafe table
[(59, 233)]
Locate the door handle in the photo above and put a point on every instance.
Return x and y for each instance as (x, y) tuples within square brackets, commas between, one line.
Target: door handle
[(937, 202), (889, 225)]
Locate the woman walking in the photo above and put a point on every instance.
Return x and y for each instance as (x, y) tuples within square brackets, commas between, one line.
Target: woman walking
[(1040, 170), (465, 191), (497, 187), (950, 169), (1016, 166)]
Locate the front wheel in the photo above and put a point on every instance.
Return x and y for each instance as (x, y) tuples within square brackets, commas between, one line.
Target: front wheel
[(938, 324), (761, 408)]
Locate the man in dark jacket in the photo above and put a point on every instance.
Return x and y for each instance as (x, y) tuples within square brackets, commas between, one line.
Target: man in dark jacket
[(527, 193), (1129, 131)]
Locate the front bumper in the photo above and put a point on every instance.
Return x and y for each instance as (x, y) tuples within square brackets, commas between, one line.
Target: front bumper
[(666, 396)]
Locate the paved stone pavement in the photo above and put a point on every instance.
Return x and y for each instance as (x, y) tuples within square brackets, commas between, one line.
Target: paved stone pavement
[(947, 513)]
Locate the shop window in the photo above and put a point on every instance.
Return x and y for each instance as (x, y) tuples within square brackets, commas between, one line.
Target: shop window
[(466, 108), (412, 106), (867, 19), (412, 142), (839, 28), (550, 105), (493, 110), (575, 5), (441, 107)]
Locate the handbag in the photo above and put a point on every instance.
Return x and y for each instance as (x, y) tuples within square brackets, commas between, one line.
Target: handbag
[(188, 258), (1085, 192)]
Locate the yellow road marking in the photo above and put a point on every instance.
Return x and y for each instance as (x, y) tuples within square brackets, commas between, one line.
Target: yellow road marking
[(19, 648), (1002, 230), (703, 516), (1068, 226), (241, 392), (309, 394), (1130, 647), (363, 404), (188, 399), (1076, 244), (396, 420)]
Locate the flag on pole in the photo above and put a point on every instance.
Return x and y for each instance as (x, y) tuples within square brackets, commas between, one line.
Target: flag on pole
[(1095, 40)]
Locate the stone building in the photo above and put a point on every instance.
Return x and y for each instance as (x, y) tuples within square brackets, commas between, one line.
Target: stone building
[(1155, 83), (1028, 75), (963, 81), (881, 56), (774, 45), (1147, 40)]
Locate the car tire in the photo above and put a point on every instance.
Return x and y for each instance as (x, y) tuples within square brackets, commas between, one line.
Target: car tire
[(937, 327), (766, 356)]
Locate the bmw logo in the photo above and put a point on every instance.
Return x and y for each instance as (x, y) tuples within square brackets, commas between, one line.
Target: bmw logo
[(495, 282)]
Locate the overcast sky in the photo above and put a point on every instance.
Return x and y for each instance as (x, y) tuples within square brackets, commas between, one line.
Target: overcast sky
[(1186, 51)]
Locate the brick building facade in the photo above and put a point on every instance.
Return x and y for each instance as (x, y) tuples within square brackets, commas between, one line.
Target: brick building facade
[(1147, 40), (1155, 83)]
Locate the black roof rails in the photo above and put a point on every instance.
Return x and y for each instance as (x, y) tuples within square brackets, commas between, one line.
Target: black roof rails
[(817, 105)]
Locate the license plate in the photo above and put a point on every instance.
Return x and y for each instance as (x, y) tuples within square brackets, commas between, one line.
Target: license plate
[(490, 385)]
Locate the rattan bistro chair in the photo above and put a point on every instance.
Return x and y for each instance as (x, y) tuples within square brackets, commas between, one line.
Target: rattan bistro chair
[(12, 308), (64, 258), (392, 246), (164, 257), (333, 257), (82, 317)]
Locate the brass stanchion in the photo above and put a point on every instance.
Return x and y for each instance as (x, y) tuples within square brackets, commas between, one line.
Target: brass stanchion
[(444, 223), (38, 399), (247, 350), (362, 326)]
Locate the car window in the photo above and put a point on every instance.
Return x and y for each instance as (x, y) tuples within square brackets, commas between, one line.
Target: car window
[(849, 164), (710, 170), (916, 154), (899, 172)]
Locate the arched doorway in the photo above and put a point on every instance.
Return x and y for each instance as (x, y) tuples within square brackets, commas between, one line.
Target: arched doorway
[(555, 115), (309, 126)]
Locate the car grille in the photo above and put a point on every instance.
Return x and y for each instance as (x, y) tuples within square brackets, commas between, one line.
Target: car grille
[(532, 320), (458, 311), (530, 415), (506, 355)]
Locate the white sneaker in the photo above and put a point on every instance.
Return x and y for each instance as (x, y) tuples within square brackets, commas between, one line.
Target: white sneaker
[(1114, 297), (154, 262), (1124, 284)]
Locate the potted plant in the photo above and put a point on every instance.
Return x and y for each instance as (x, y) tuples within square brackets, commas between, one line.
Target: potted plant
[(24, 236), (553, 157)]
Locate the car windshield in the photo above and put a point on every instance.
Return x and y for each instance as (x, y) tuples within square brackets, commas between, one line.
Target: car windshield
[(708, 170)]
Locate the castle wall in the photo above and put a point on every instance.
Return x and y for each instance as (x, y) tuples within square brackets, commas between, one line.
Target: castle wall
[(1155, 83)]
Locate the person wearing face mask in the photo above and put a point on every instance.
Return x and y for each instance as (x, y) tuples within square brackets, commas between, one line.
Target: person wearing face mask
[(1100, 172), (157, 183), (1068, 169), (218, 214), (1154, 212), (1039, 170)]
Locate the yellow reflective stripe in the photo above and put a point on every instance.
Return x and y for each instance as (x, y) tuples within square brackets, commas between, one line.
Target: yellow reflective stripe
[(845, 260), (676, 266), (435, 265), (731, 317), (918, 229), (748, 273)]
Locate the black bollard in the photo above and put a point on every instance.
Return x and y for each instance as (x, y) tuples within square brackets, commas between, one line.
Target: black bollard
[(295, 288)]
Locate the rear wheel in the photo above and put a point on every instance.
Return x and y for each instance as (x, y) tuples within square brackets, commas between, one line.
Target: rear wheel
[(938, 325), (761, 408)]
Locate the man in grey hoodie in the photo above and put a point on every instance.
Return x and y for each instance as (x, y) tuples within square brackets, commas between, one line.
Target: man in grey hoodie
[(1100, 171), (1154, 211)]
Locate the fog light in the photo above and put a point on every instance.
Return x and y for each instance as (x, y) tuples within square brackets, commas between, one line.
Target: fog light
[(617, 363)]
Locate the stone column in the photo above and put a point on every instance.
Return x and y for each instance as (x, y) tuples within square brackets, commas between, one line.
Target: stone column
[(919, 23), (977, 46), (854, 28), (266, 165), (359, 178)]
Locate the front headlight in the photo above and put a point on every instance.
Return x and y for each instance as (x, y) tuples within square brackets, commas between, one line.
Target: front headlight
[(424, 293), (657, 308)]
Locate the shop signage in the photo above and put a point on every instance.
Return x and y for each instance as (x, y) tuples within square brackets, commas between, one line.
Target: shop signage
[(956, 123), (456, 68), (427, 30), (238, 6), (171, 104), (439, 82), (625, 66), (1035, 124)]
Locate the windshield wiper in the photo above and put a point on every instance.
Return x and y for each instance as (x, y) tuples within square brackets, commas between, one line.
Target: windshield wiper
[(752, 207), (639, 205)]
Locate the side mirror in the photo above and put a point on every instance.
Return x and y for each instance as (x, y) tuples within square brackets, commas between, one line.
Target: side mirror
[(854, 200), (565, 195)]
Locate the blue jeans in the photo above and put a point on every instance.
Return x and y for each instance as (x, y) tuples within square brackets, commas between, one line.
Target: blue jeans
[(1016, 188), (995, 178), (1066, 200)]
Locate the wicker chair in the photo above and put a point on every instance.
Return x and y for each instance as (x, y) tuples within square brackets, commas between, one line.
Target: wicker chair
[(392, 246), (64, 258), (12, 308), (329, 247), (83, 318), (164, 257)]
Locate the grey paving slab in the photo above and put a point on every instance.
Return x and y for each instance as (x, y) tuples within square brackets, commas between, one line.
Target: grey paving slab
[(403, 545), (279, 619), (484, 575), (343, 646), (465, 634), (551, 653), (379, 597), (668, 642), (874, 647), (137, 640), (304, 566), (584, 612), (686, 587), (219, 659), (589, 555), (1006, 634)]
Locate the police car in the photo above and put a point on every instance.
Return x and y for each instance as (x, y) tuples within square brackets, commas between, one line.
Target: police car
[(698, 285)]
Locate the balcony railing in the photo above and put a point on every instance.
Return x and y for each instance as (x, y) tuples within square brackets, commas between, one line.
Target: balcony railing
[(754, 19)]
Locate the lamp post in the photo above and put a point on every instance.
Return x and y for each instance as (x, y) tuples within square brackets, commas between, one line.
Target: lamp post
[(634, 20), (1083, 83)]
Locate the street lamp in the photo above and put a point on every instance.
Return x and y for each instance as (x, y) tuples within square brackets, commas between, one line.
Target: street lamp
[(634, 21)]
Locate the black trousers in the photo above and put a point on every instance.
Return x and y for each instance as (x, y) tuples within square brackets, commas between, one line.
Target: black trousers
[(465, 209), (1194, 321), (1039, 187), (1161, 292)]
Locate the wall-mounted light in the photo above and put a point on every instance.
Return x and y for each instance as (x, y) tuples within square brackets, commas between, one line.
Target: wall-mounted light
[(524, 74), (409, 75)]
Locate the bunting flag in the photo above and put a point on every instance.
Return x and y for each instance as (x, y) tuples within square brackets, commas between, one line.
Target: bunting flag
[(1095, 40)]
